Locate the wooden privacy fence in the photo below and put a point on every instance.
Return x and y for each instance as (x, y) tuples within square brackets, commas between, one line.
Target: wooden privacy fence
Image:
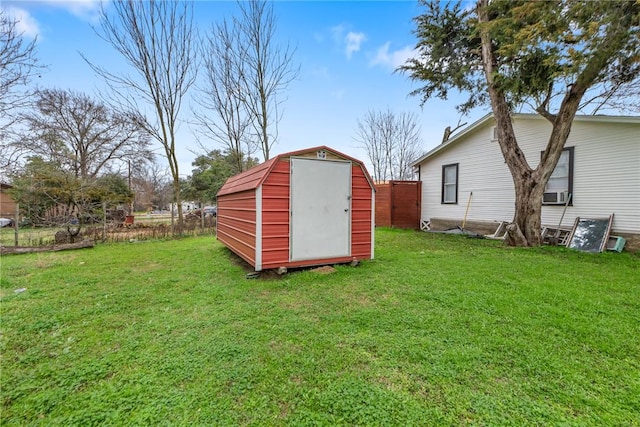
[(398, 204)]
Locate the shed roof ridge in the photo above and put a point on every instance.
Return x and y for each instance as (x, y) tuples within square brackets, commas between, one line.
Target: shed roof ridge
[(255, 177)]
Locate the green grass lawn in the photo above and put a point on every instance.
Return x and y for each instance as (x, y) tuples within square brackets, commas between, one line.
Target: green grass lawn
[(437, 330)]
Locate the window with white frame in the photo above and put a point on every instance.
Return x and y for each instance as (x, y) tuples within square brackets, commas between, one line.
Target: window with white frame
[(450, 184), (560, 184)]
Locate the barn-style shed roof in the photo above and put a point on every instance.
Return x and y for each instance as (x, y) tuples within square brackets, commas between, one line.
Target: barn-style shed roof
[(254, 177)]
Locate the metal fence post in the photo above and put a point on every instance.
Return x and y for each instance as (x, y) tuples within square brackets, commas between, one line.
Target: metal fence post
[(16, 220), (104, 221)]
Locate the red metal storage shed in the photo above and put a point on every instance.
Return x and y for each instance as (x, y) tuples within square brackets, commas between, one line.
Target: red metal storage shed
[(304, 208)]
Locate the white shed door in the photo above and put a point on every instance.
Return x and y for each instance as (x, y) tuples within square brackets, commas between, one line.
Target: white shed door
[(320, 209)]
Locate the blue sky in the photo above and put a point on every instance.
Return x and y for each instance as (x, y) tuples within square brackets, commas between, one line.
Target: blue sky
[(347, 52)]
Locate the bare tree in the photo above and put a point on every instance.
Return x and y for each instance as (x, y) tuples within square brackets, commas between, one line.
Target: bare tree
[(18, 64), (225, 118), (157, 39), (391, 142), (81, 134), (407, 145), (150, 182), (369, 135), (267, 70)]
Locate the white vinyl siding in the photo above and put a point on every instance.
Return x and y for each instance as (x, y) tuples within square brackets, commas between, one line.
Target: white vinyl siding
[(479, 162), (606, 175)]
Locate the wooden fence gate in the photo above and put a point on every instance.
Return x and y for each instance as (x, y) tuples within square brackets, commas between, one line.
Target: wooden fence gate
[(398, 204)]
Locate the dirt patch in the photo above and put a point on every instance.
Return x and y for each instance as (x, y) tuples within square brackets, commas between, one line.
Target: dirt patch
[(325, 269)]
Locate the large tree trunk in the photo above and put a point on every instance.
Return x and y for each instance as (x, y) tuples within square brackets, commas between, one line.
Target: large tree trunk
[(525, 230), (528, 210), (529, 183), (177, 195)]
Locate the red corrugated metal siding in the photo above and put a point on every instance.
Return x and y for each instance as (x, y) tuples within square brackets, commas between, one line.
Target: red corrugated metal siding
[(236, 223), (275, 217), (237, 227), (361, 206)]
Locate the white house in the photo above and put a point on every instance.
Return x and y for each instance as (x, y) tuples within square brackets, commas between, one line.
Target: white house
[(599, 167)]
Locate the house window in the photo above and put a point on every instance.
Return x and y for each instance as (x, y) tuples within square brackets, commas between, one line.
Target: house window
[(560, 183), (450, 184)]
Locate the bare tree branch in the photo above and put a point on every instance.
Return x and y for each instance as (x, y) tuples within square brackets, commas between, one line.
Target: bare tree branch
[(225, 119), (82, 135), (18, 64), (448, 131), (391, 142), (156, 38), (151, 183), (267, 70)]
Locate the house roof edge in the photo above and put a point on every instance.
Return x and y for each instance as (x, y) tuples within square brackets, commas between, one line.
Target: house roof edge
[(480, 122)]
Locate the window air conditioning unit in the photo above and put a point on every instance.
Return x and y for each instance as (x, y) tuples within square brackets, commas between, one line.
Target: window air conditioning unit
[(555, 197)]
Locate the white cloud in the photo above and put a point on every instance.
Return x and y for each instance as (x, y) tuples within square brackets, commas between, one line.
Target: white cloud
[(392, 59), (25, 23), (85, 9), (350, 41), (353, 42)]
